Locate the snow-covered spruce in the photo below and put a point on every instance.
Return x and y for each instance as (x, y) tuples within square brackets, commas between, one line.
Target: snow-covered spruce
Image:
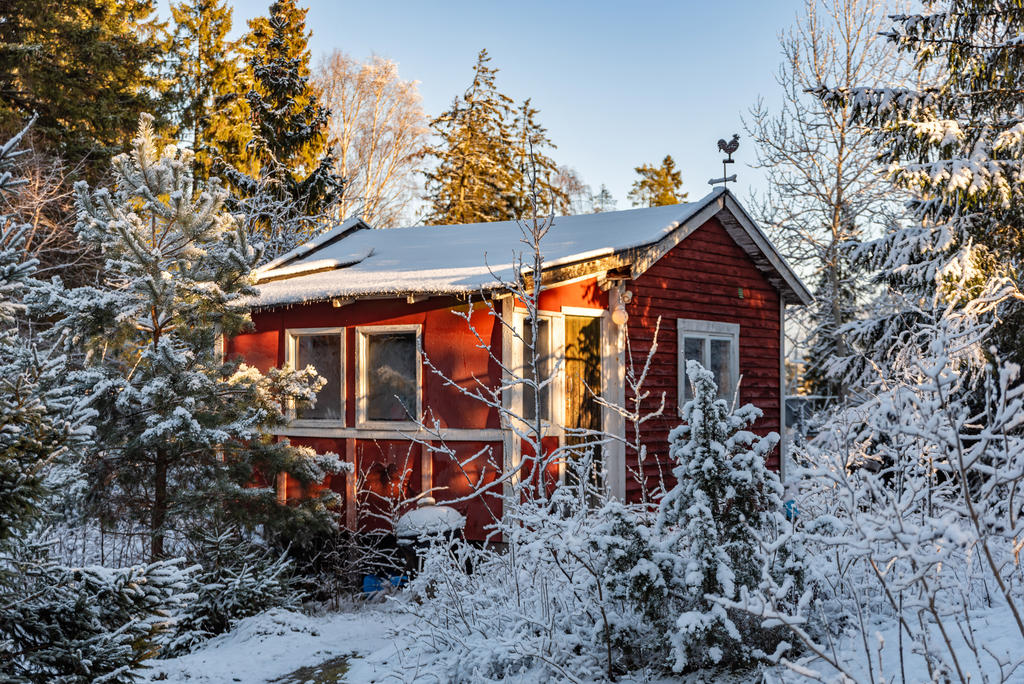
[(709, 525), (237, 578)]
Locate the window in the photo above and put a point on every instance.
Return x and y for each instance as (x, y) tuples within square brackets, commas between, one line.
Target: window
[(390, 374), (324, 349), (540, 372), (716, 347)]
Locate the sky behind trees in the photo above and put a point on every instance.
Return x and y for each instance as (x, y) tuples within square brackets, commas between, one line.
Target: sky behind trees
[(617, 85)]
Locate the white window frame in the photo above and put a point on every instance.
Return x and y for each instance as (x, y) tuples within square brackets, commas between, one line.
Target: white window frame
[(707, 330), (291, 357), (363, 333), (552, 424)]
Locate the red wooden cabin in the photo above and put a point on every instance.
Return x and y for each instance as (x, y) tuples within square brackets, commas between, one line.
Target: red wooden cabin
[(369, 307)]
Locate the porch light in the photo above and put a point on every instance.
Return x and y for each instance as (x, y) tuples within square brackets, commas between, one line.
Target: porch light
[(619, 315)]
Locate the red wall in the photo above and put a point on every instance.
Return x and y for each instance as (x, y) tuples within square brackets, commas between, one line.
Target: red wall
[(700, 279), (390, 469)]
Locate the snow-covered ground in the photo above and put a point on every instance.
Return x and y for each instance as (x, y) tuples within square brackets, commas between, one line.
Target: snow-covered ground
[(368, 639), (272, 645)]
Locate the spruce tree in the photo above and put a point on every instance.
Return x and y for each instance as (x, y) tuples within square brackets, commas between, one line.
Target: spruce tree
[(603, 200), (287, 182), (657, 185), (475, 177), (86, 69), (535, 173), (208, 82), (711, 521), (955, 145), (181, 432)]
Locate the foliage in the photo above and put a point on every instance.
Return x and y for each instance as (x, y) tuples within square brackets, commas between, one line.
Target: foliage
[(182, 432), (379, 133), (39, 419), (725, 499), (474, 177), (236, 578), (909, 507), (657, 185), (84, 69), (56, 623), (492, 164), (956, 148), (826, 192), (83, 625), (287, 183), (206, 82), (535, 174)]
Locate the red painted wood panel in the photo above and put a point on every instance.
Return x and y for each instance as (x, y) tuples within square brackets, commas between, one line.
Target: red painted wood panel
[(469, 478), (700, 279)]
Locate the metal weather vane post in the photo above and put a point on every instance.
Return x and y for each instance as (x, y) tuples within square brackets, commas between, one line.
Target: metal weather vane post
[(728, 148)]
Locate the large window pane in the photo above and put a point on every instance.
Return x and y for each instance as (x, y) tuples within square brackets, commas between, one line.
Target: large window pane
[(693, 350), (538, 373), (721, 367), (323, 352), (390, 378)]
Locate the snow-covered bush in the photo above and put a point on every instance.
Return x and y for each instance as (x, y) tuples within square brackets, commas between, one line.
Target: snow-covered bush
[(236, 578), (82, 625), (910, 508), (577, 594)]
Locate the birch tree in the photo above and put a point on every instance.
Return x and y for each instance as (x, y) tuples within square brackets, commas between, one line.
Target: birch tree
[(826, 192), (379, 134)]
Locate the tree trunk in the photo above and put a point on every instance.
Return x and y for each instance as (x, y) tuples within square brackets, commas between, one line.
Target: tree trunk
[(158, 514)]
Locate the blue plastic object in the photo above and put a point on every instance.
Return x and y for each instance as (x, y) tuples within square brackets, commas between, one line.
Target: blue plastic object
[(373, 584)]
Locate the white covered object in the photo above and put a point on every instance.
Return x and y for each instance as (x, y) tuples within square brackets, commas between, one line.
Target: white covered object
[(429, 519)]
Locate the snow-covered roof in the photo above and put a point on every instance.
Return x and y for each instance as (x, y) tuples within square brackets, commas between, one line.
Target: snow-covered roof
[(354, 260)]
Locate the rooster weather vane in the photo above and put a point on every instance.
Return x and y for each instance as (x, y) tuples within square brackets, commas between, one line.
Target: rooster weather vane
[(728, 148)]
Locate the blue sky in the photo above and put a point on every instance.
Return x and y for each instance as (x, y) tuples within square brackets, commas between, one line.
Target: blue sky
[(618, 84)]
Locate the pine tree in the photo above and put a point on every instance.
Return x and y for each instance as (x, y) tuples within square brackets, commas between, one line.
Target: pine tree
[(957, 148), (712, 519), (535, 173), (475, 178), (207, 82), (657, 185), (287, 181), (56, 623), (86, 69), (181, 432)]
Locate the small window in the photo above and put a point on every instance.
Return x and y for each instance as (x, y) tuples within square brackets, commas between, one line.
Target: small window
[(538, 372), (390, 375), (324, 350), (716, 347)]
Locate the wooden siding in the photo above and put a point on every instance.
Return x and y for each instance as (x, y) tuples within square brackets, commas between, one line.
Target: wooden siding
[(391, 468), (700, 279)]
